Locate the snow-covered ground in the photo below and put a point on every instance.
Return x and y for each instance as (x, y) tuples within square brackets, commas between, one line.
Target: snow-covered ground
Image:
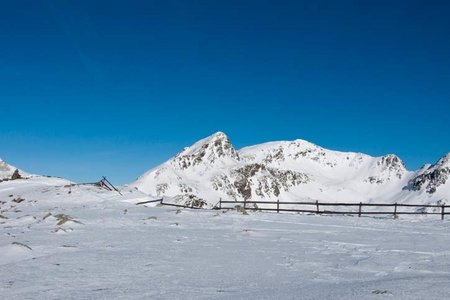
[(80, 242)]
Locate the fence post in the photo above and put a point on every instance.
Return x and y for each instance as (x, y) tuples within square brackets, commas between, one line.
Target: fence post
[(278, 205), (359, 212), (220, 203), (161, 202), (104, 178), (395, 210), (442, 212), (245, 203), (317, 205)]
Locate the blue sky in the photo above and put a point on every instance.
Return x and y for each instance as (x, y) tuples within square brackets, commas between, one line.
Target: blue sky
[(91, 88)]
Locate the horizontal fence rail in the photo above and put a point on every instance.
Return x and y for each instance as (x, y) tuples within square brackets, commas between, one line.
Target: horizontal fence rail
[(319, 208), (323, 207), (161, 201), (150, 201)]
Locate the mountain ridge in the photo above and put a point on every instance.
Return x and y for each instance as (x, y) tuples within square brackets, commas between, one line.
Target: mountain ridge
[(212, 169)]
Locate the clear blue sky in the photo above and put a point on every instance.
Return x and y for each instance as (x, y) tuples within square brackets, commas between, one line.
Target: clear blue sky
[(91, 88)]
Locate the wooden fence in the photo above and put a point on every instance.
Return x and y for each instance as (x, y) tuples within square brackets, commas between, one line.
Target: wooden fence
[(321, 208), (166, 204)]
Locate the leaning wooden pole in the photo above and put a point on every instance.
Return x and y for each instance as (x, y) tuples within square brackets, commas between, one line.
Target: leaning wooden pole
[(104, 178)]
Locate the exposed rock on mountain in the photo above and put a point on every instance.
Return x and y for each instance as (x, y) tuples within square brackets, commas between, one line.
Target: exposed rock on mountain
[(431, 177), (261, 180)]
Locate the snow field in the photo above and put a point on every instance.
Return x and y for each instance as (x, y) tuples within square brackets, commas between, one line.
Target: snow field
[(106, 247)]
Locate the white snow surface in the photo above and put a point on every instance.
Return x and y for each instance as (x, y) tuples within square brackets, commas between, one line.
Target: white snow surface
[(64, 241), (212, 169)]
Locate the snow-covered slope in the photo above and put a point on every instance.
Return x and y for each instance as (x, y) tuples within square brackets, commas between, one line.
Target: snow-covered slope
[(81, 242), (8, 172), (290, 171)]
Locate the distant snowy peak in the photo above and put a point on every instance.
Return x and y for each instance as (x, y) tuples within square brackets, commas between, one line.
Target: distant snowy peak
[(8, 172), (210, 150), (275, 152), (431, 177), (303, 155), (295, 152)]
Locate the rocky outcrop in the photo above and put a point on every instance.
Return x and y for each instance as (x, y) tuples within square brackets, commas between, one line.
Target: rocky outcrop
[(190, 200), (389, 167), (393, 164), (429, 179), (257, 180), (16, 175)]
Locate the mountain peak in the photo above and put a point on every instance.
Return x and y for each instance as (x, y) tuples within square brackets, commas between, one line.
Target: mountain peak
[(219, 134), (392, 161), (304, 143), (208, 150)]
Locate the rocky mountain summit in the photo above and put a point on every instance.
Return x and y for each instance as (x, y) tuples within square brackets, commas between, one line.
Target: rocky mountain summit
[(213, 169), (216, 148)]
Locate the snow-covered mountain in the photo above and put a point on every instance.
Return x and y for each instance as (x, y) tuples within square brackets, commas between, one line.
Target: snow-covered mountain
[(290, 171)]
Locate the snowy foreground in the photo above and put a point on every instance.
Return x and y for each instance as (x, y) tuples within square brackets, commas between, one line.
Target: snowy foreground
[(107, 247)]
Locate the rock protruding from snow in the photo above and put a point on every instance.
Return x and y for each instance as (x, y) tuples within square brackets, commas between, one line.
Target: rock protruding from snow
[(393, 164), (432, 177), (388, 168)]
